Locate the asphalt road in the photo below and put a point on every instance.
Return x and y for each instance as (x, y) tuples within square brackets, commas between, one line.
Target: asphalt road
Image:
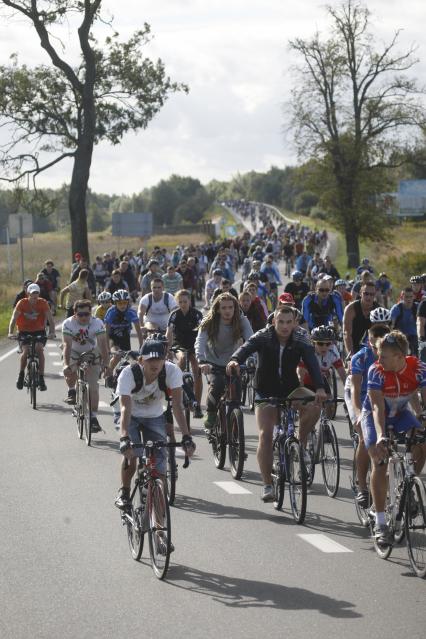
[(240, 568)]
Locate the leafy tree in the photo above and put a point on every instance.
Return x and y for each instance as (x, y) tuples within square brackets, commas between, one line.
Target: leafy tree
[(63, 110), (164, 201), (352, 104)]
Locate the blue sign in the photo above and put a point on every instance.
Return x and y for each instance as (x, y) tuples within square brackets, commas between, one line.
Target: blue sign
[(132, 224), (412, 198)]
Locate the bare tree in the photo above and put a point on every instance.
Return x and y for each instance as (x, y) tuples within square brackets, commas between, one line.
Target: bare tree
[(352, 107), (60, 110)]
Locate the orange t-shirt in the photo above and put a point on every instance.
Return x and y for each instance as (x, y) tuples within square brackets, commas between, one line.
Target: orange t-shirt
[(31, 317)]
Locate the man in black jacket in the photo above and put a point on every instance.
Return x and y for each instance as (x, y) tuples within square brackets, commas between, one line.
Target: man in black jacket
[(280, 348)]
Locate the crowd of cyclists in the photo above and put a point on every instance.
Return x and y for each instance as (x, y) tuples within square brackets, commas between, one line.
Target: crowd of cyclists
[(297, 332)]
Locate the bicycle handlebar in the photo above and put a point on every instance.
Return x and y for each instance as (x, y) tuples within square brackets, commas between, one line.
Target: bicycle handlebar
[(153, 445)]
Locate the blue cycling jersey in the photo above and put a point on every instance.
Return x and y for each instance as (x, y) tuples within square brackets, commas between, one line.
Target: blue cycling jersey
[(360, 363), (120, 323)]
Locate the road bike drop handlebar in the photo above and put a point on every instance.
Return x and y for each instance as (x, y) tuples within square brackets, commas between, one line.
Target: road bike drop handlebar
[(139, 449)]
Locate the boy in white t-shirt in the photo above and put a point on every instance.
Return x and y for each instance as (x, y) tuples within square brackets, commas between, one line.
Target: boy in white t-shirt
[(143, 411)]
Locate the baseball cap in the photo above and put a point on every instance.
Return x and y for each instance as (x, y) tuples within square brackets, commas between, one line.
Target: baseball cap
[(151, 262), (33, 288), (152, 348), (286, 298)]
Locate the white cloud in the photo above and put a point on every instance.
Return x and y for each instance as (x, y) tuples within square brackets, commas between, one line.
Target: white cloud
[(235, 58)]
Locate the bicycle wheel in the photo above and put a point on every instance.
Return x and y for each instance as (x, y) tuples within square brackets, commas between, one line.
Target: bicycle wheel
[(296, 480), (159, 533), (399, 474), (218, 439), (135, 532), (171, 475), (236, 443), (330, 460), (333, 406), (415, 526), (278, 478), (311, 449), (244, 384), (361, 512), (250, 394), (86, 413), (33, 379), (79, 409)]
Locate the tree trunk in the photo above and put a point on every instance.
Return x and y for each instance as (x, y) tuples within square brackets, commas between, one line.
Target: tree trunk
[(352, 247), (77, 200)]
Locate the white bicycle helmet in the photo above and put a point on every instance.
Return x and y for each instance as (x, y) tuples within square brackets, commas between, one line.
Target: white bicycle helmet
[(121, 295), (340, 283), (105, 296), (380, 315)]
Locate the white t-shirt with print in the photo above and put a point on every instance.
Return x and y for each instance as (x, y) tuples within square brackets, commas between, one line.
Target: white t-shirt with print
[(149, 401), (84, 336), (158, 313)]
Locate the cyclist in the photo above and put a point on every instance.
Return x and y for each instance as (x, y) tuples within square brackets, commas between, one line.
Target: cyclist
[(141, 402), (153, 270), (404, 317), (341, 287), (417, 283), (83, 333), (172, 281), (211, 285), (22, 293), (355, 394), (118, 323), (225, 287), (30, 315), (280, 348), (77, 290), (220, 333), (298, 288), (421, 329), (116, 282), (322, 306), (392, 382), (257, 312), (270, 269), (356, 318), (54, 277), (155, 308), (181, 333), (105, 302), (364, 266), (327, 355), (384, 290)]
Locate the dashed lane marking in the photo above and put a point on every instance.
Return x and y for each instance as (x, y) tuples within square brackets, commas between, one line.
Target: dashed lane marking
[(103, 404), (57, 363), (232, 488), (324, 543)]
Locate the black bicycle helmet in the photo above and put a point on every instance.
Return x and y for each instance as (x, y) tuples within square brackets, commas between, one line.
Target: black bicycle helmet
[(416, 279), (323, 334)]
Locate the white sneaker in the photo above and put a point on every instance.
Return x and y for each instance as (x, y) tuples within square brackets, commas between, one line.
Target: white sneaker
[(267, 493)]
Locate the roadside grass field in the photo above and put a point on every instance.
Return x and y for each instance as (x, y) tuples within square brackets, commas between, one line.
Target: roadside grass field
[(57, 246)]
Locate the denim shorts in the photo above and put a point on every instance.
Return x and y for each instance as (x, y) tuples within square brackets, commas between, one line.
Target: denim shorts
[(403, 421), (153, 429)]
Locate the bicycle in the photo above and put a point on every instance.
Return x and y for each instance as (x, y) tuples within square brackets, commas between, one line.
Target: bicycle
[(228, 431), (82, 410), (406, 503), (32, 373), (148, 511), (247, 379), (288, 464), (189, 401), (363, 512), (323, 448)]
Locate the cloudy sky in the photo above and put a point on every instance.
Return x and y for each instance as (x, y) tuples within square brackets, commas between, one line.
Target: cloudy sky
[(234, 56)]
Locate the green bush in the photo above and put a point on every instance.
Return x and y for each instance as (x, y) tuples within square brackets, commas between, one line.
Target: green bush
[(400, 268)]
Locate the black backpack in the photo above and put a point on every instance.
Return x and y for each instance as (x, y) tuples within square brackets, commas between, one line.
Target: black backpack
[(138, 377), (165, 300)]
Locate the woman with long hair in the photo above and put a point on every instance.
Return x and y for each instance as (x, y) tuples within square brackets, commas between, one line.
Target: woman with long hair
[(221, 332)]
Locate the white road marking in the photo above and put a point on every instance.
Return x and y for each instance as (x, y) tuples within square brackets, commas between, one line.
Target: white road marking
[(324, 543), (53, 354), (57, 363), (232, 488), (52, 345), (14, 350), (103, 404)]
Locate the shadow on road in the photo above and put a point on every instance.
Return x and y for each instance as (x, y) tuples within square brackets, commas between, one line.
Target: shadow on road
[(222, 511), (246, 593), (56, 408)]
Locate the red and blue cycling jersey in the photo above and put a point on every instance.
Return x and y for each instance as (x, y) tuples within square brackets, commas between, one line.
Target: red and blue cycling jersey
[(397, 387)]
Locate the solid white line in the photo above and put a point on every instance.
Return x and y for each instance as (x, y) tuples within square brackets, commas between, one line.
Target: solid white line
[(14, 350), (232, 488), (324, 543)]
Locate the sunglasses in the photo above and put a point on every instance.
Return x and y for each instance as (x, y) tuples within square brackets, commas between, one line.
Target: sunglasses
[(83, 314), (368, 294), (323, 343), (323, 290)]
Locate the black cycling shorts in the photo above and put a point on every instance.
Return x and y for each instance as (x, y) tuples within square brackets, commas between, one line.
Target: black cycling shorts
[(24, 335), (121, 341)]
